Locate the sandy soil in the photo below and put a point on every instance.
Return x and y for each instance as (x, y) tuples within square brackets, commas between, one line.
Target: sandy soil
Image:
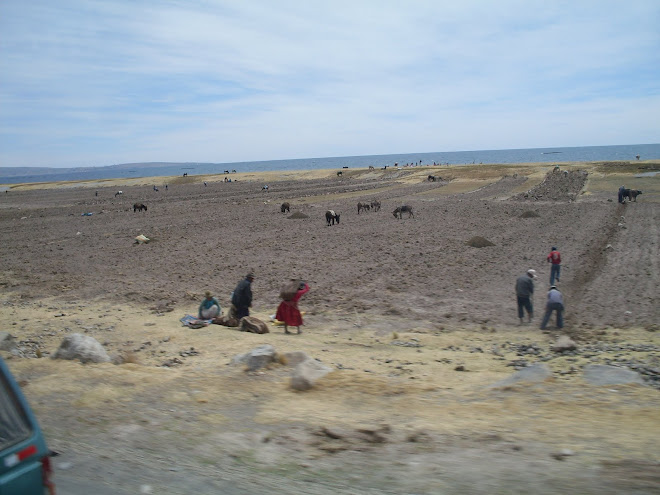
[(416, 323)]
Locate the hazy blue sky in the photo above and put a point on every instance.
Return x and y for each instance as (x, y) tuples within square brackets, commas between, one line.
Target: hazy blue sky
[(87, 83)]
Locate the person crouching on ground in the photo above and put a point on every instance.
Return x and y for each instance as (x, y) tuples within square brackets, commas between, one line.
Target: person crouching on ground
[(555, 303), (524, 292), (288, 311), (210, 307)]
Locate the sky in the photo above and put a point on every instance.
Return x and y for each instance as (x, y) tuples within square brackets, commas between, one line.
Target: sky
[(94, 83)]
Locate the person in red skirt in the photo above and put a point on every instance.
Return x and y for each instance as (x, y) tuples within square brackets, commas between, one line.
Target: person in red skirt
[(288, 311)]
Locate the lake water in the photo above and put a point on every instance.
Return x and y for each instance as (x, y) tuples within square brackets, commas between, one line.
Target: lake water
[(534, 155)]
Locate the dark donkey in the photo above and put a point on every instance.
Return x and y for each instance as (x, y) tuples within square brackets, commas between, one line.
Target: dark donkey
[(139, 207), (398, 213), (331, 217), (286, 207)]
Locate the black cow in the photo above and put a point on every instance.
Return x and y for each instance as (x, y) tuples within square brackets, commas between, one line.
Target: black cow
[(340, 173), (285, 208), (331, 217), (139, 207)]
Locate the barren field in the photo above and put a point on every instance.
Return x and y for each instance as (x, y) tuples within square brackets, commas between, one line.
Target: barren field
[(417, 324)]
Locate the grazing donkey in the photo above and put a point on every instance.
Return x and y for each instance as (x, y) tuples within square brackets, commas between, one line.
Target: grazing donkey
[(285, 208), (375, 205), (139, 207), (331, 217), (398, 213), (363, 207)]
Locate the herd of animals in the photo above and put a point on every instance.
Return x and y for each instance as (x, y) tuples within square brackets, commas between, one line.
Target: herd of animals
[(331, 217)]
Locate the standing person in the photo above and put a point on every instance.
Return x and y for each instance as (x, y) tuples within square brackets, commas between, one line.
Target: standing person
[(555, 258), (288, 311), (210, 307), (524, 292), (242, 297), (555, 303)]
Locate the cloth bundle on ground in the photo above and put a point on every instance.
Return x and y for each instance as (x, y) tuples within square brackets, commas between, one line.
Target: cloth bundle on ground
[(194, 322), (254, 325), (230, 320)]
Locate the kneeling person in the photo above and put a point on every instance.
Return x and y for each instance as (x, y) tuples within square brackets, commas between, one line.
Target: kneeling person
[(210, 307)]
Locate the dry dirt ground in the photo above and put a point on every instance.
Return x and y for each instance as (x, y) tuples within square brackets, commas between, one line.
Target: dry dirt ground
[(416, 323)]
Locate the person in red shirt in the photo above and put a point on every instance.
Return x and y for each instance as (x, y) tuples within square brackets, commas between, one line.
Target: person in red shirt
[(555, 258), (288, 311)]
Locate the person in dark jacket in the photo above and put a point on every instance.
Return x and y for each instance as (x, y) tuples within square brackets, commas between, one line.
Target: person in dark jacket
[(242, 297), (524, 292)]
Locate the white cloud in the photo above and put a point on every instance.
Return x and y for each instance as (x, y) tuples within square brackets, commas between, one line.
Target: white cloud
[(112, 81)]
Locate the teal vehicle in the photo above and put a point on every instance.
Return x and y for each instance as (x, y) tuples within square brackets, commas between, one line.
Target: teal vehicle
[(25, 467)]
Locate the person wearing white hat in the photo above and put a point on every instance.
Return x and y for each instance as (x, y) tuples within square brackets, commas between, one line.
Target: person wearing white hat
[(524, 292), (555, 303)]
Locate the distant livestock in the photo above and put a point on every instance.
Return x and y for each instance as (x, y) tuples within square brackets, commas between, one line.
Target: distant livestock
[(363, 207), (398, 213), (434, 178), (340, 173), (375, 205), (285, 208), (371, 167), (331, 217), (119, 193), (139, 207), (631, 194)]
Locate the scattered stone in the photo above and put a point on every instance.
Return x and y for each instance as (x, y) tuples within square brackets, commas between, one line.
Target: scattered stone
[(294, 358), (460, 367), (535, 373), (562, 454), (259, 357), (7, 341), (529, 214), (307, 373), (601, 374), (83, 347), (563, 344), (479, 242), (297, 215)]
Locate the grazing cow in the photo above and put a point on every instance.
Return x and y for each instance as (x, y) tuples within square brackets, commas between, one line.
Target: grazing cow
[(398, 213), (331, 217), (631, 194), (185, 174), (139, 207), (375, 205), (285, 208), (226, 171), (340, 173), (119, 193)]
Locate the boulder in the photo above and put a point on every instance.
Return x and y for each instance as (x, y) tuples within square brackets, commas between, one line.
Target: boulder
[(295, 358), (564, 343), (307, 373), (252, 324), (602, 374), (7, 341), (259, 357), (83, 347), (535, 373)]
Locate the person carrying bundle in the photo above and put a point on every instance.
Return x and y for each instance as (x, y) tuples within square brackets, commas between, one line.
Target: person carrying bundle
[(288, 311)]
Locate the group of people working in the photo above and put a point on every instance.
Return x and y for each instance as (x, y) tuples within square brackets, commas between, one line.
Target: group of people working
[(555, 299), (241, 300)]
